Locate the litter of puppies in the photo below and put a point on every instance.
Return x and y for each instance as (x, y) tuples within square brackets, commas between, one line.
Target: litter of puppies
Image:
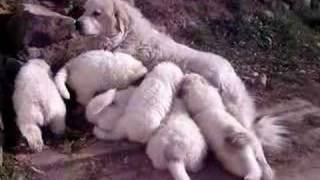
[(177, 116)]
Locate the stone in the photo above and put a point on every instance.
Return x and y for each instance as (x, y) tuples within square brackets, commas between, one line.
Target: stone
[(263, 80), (268, 14), (37, 32), (37, 26)]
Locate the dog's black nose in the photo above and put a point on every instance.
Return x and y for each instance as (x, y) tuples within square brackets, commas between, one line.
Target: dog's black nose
[(78, 25)]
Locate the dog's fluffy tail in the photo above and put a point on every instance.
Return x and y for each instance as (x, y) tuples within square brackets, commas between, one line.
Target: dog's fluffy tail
[(268, 127), (270, 132), (178, 170), (60, 80)]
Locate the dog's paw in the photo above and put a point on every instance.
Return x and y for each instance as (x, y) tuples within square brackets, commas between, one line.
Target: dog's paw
[(252, 177), (36, 145)]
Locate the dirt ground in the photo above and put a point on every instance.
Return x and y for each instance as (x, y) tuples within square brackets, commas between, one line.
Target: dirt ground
[(279, 62)]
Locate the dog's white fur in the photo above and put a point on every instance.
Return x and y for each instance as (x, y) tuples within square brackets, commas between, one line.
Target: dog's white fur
[(148, 105), (178, 144), (37, 102), (131, 33), (97, 71), (104, 109), (234, 145)]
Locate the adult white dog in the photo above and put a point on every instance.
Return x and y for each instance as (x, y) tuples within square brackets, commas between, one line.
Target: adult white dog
[(178, 144), (235, 146), (148, 105), (37, 102), (131, 33), (97, 71)]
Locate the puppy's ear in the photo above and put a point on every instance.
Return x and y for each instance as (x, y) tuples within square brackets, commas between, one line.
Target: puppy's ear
[(237, 139)]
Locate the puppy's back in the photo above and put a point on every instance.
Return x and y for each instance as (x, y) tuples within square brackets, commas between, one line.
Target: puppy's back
[(35, 90)]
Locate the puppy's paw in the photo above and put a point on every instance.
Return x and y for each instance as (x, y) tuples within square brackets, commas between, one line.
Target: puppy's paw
[(33, 135), (36, 144), (252, 177)]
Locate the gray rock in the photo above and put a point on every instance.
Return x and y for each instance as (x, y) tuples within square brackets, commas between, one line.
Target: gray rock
[(37, 32), (37, 26), (268, 14)]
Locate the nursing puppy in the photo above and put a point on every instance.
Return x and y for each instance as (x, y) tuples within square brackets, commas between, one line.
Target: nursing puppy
[(178, 144), (234, 145), (37, 102), (105, 109), (97, 71), (148, 105), (131, 33)]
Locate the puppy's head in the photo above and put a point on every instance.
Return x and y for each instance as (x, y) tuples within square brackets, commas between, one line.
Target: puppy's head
[(169, 72), (193, 91), (104, 17), (40, 62), (192, 82), (242, 163), (237, 154), (134, 68)]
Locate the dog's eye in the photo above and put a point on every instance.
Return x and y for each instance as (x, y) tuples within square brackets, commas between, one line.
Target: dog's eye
[(96, 13)]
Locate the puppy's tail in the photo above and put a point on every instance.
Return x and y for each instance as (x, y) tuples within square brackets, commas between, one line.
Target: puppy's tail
[(175, 153), (270, 132), (60, 80), (178, 170)]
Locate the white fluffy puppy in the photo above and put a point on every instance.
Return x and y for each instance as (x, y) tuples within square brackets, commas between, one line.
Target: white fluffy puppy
[(105, 109), (178, 144), (148, 105), (98, 71), (233, 144), (37, 102)]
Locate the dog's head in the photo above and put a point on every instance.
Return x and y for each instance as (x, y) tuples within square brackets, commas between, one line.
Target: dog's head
[(104, 17)]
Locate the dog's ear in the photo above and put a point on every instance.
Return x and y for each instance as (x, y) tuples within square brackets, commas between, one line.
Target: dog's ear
[(122, 17), (122, 22), (131, 2)]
